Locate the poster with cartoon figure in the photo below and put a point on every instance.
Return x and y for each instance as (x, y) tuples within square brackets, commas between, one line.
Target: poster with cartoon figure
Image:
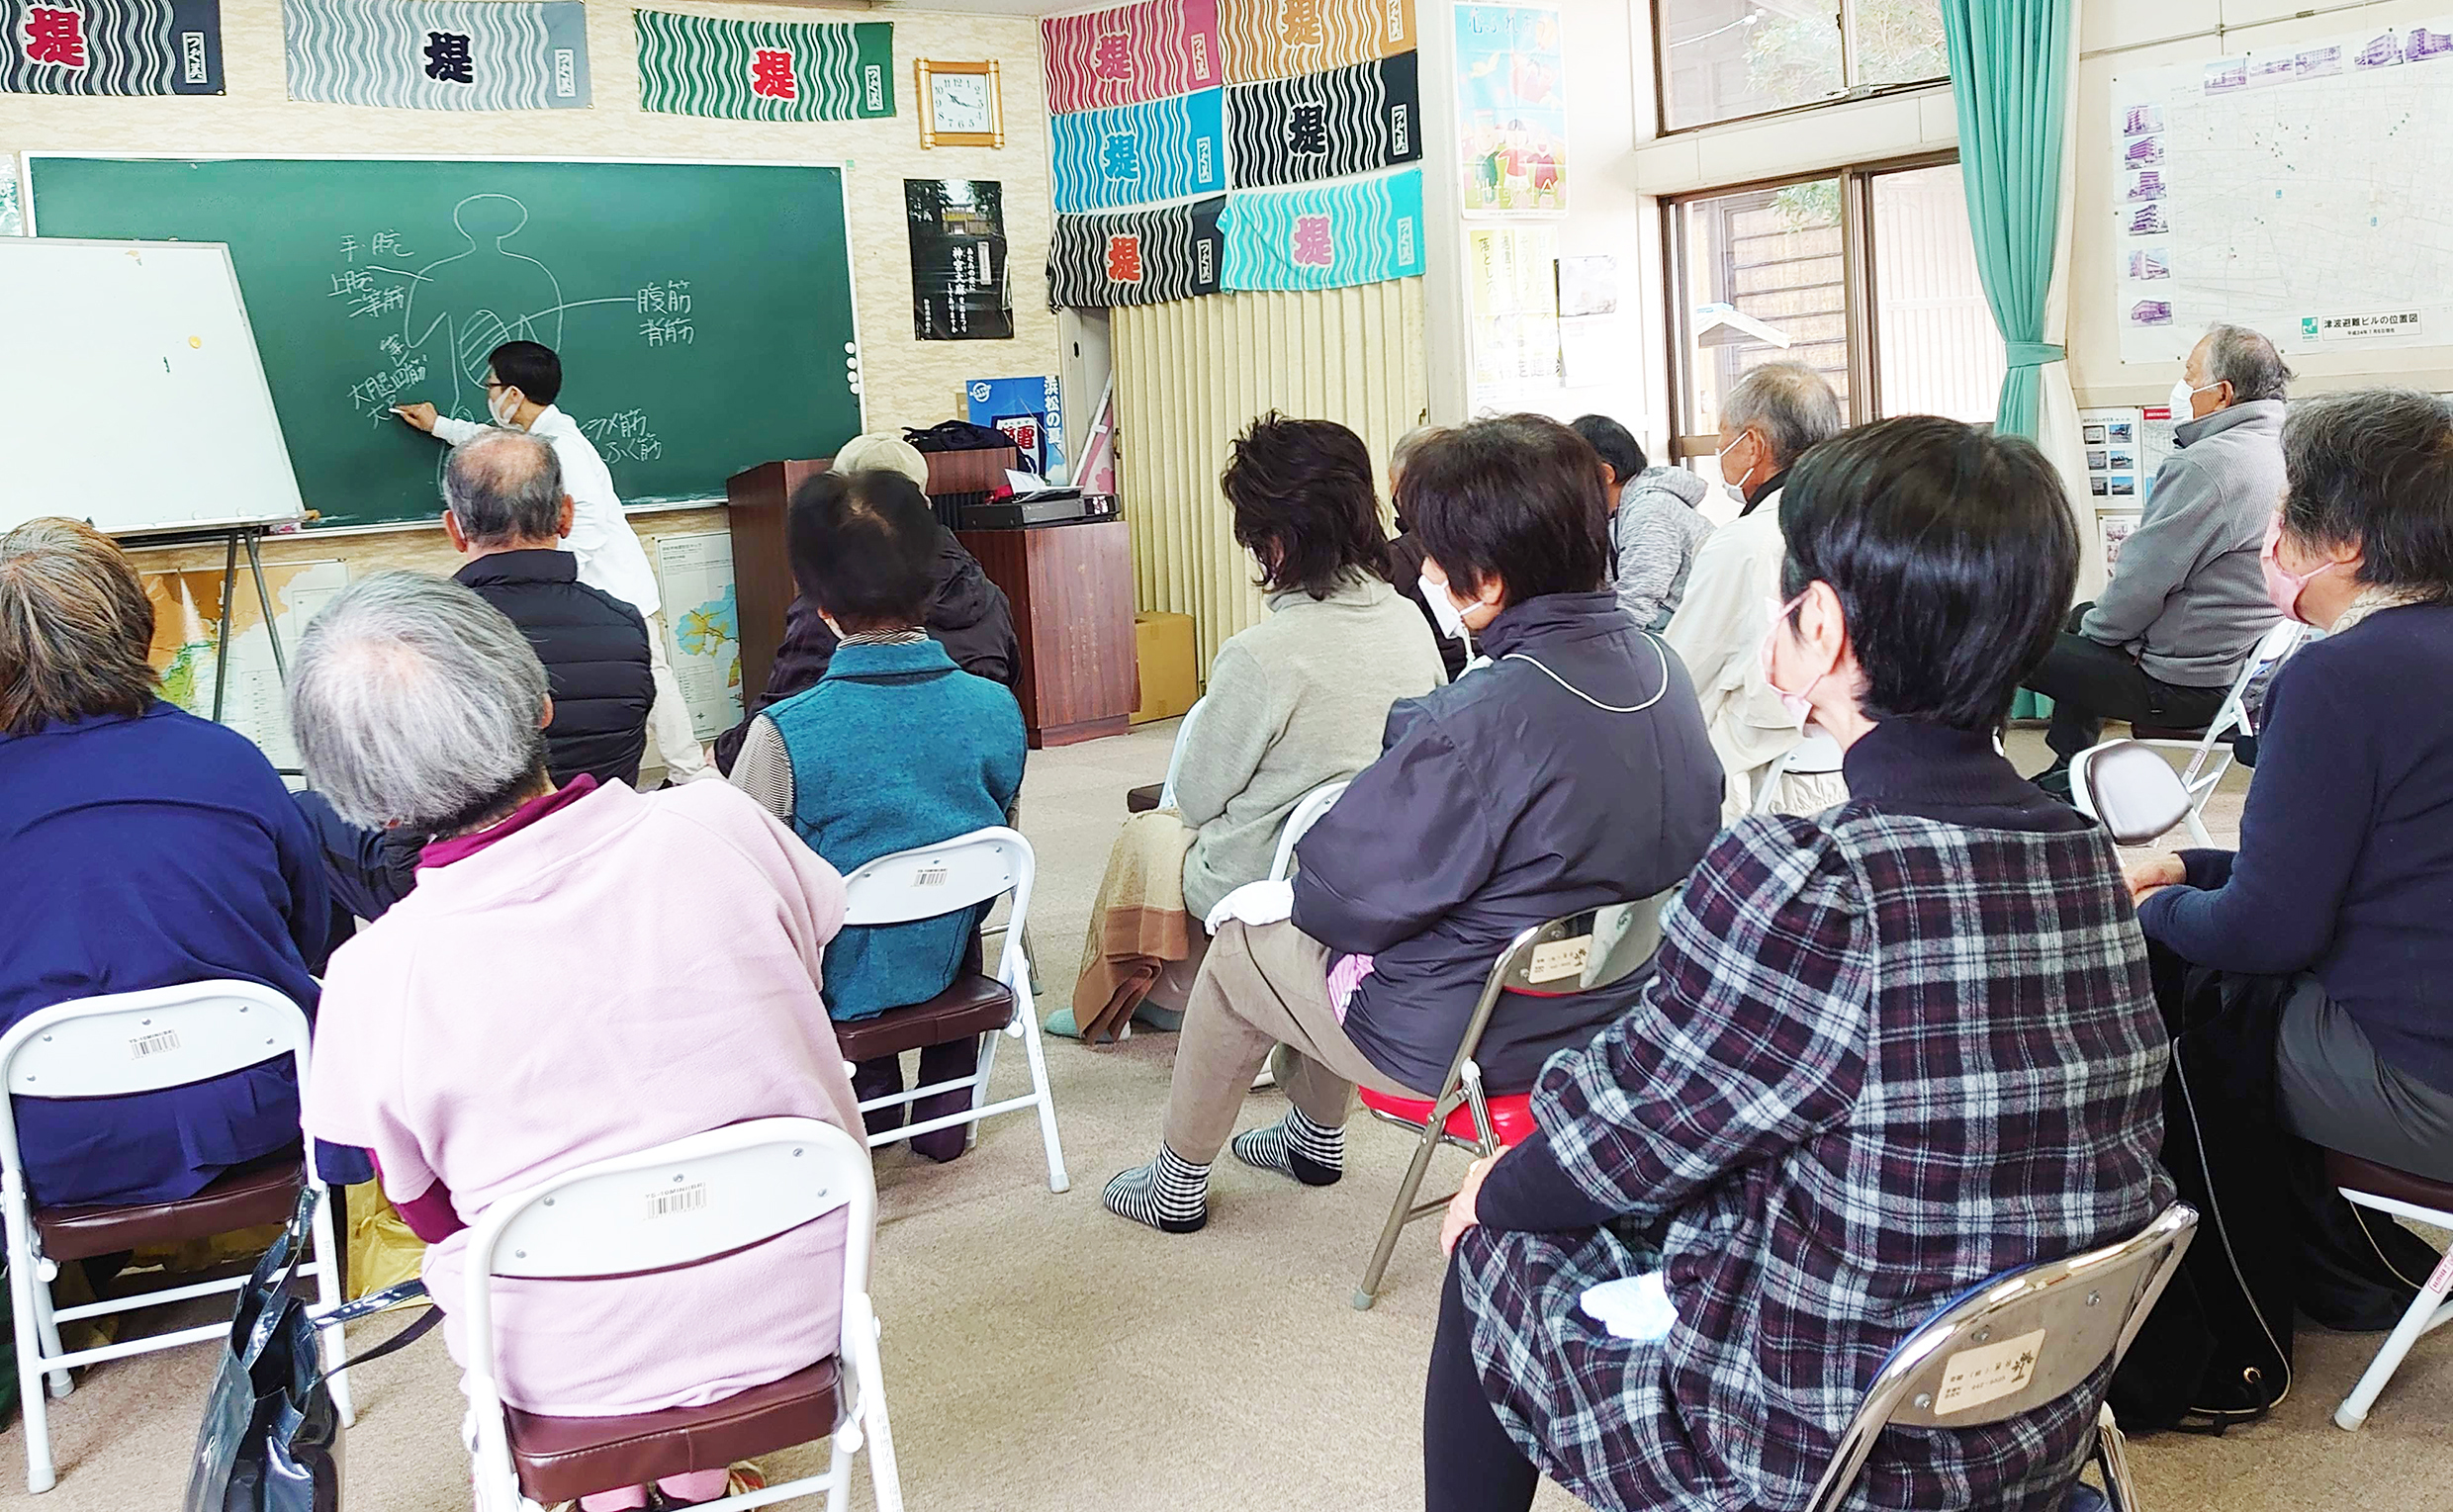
[(1511, 109)]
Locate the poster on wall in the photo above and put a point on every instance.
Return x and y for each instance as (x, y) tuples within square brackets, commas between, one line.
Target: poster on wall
[(702, 626), (1513, 286), (960, 286), (765, 70), (111, 47), (1594, 348), (438, 55), (1029, 412), (1511, 109)]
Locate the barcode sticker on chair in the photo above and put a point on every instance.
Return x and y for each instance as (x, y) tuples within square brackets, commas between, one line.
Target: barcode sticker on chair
[(674, 1201), (929, 876), (1973, 1376), (1560, 959), (152, 1044)]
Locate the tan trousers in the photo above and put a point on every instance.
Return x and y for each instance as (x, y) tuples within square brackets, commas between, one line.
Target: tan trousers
[(1260, 988)]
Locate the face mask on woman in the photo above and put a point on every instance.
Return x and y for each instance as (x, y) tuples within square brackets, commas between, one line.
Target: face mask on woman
[(1800, 703), (2283, 586), (1443, 608)]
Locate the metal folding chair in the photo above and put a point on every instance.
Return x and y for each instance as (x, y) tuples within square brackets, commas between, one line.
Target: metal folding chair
[(2210, 756), (1142, 800), (1307, 813), (2026, 1338), (2404, 1195), (1578, 953), (1816, 754)]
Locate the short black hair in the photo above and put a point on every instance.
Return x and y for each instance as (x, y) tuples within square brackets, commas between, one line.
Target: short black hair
[(863, 548), (1615, 443), (1304, 503), (1516, 497), (530, 367), (1955, 555), (2373, 468)]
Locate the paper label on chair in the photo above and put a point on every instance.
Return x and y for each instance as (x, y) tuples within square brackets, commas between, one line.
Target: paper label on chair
[(929, 876), (1560, 959), (1973, 1376), (677, 1200), (152, 1044)]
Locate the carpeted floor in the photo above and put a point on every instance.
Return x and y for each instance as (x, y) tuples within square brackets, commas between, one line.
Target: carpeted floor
[(1045, 1357)]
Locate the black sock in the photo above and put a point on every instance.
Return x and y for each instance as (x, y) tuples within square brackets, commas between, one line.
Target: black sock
[(1295, 1147)]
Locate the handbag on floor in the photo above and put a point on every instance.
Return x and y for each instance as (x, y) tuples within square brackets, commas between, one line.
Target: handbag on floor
[(271, 1438)]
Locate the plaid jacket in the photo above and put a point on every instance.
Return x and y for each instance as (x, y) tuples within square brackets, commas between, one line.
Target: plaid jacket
[(1883, 1058)]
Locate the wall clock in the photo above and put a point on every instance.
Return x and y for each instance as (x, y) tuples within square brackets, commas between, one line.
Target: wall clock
[(961, 105)]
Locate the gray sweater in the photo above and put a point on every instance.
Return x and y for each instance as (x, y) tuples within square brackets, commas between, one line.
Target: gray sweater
[(1299, 699), (2188, 597), (1657, 533)]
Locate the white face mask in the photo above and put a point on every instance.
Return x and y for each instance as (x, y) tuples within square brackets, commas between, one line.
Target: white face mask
[(2182, 394), (501, 404), (1443, 608), (1732, 486)]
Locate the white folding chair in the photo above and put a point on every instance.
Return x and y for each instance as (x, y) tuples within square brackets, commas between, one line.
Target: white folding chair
[(2026, 1338), (2405, 1195), (1816, 754), (2129, 789), (112, 1046), (923, 884), (2210, 755), (1175, 758), (682, 1203), (1307, 813)]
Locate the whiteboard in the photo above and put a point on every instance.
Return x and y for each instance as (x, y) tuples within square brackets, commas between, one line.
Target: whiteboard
[(131, 391)]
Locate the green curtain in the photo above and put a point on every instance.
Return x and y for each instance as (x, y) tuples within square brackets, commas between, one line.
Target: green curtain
[(2010, 77)]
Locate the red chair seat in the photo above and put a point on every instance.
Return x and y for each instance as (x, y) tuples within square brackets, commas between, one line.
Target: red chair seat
[(560, 1459), (1511, 1117)]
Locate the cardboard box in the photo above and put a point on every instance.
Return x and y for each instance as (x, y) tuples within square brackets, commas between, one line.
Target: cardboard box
[(1169, 672)]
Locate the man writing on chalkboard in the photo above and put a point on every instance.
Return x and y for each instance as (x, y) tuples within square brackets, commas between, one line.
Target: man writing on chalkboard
[(522, 380)]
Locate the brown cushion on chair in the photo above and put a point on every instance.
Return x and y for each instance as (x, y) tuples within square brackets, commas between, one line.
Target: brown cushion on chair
[(560, 1459), (1141, 800), (2384, 1181), (259, 1192), (973, 1005)]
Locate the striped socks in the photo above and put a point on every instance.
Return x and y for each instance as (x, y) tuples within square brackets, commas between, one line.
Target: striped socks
[(1295, 1147), (1170, 1194)]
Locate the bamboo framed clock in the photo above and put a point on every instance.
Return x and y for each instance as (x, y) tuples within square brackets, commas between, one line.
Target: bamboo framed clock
[(962, 105)]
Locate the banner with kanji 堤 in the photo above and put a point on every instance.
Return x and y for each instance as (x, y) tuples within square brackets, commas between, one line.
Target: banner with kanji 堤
[(111, 47), (1279, 39), (1138, 154), (438, 55), (1130, 53), (1138, 257), (765, 70), (1326, 235), (1325, 126)]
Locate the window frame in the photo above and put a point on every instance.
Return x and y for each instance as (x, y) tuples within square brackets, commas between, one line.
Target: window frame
[(1858, 253), (1847, 96)]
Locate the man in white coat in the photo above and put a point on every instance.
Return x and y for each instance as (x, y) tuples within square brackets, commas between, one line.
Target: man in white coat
[(1767, 421), (522, 380)]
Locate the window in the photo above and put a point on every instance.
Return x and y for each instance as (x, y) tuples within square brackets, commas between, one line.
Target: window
[(1722, 59), (1868, 275)]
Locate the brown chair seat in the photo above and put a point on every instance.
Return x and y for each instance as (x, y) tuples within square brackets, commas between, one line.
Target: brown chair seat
[(1141, 800), (973, 1005), (2385, 1181), (260, 1191), (560, 1459)]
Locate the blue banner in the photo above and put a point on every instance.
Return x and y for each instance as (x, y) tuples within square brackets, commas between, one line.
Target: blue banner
[(1326, 236), (1137, 155)]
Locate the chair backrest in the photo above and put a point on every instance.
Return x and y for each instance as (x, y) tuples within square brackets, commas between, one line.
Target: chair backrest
[(1305, 813), (1573, 953), (2016, 1342), (143, 1042), (679, 1203), (2129, 789), (1816, 754), (2281, 638), (1175, 758), (928, 881)]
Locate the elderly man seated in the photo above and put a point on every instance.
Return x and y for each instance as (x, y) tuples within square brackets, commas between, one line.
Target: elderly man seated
[(548, 997)]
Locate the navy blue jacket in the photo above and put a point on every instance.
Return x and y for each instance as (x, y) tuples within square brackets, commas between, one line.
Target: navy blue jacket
[(594, 650), (1502, 801), (147, 852)]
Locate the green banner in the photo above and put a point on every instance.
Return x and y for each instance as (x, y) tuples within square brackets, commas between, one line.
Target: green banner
[(765, 70)]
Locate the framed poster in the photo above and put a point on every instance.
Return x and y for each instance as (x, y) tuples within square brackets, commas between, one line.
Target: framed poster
[(961, 287)]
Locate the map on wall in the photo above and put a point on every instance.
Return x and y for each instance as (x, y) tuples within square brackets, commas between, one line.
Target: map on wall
[(187, 644), (2297, 190), (702, 621)]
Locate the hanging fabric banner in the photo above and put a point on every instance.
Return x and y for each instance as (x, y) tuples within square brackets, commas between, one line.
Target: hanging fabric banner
[(765, 70), (111, 47), (1134, 154), (1140, 258), (438, 55), (1130, 53), (1325, 126), (1326, 236), (1279, 39)]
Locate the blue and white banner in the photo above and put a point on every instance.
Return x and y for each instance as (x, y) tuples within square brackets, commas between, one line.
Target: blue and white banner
[(1326, 236), (439, 55), (1138, 154)]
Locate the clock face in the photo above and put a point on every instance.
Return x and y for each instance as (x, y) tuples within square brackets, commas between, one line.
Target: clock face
[(960, 101)]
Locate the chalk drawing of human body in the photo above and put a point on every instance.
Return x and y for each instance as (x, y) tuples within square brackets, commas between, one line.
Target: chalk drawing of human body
[(474, 300)]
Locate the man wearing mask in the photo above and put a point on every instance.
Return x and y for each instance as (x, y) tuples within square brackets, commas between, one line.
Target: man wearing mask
[(522, 380), (2187, 602), (1767, 421)]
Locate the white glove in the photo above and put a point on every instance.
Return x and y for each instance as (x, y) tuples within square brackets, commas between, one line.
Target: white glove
[(1254, 902)]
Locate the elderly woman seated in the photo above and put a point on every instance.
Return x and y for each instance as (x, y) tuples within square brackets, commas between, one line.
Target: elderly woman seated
[(139, 848), (1572, 773), (1887, 1051), (1293, 702), (582, 972)]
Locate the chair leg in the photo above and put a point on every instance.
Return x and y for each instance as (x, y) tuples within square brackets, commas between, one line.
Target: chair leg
[(886, 1480), (2198, 830), (1369, 1291), (1057, 1180), (47, 1321), (335, 1348), (2422, 1316), (2112, 1459), (40, 1475)]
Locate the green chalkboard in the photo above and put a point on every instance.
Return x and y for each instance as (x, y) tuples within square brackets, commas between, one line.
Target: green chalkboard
[(704, 311)]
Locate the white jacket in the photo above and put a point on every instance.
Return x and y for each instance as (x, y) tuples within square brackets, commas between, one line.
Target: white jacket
[(609, 553)]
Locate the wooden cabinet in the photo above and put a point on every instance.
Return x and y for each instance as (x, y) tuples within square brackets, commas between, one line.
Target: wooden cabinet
[(1072, 588)]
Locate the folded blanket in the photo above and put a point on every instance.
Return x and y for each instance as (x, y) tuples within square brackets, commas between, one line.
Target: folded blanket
[(1137, 927)]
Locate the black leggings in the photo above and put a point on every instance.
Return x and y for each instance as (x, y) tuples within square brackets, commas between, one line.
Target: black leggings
[(1469, 1462)]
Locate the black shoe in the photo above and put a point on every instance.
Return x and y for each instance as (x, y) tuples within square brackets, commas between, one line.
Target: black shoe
[(2054, 781)]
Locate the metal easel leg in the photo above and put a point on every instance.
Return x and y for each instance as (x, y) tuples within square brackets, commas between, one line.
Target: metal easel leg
[(264, 602), (221, 645)]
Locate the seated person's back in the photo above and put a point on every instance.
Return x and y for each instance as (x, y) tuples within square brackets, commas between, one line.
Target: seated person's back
[(582, 972), (139, 848)]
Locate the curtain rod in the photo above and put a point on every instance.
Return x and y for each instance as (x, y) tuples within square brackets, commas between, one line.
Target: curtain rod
[(2219, 30)]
